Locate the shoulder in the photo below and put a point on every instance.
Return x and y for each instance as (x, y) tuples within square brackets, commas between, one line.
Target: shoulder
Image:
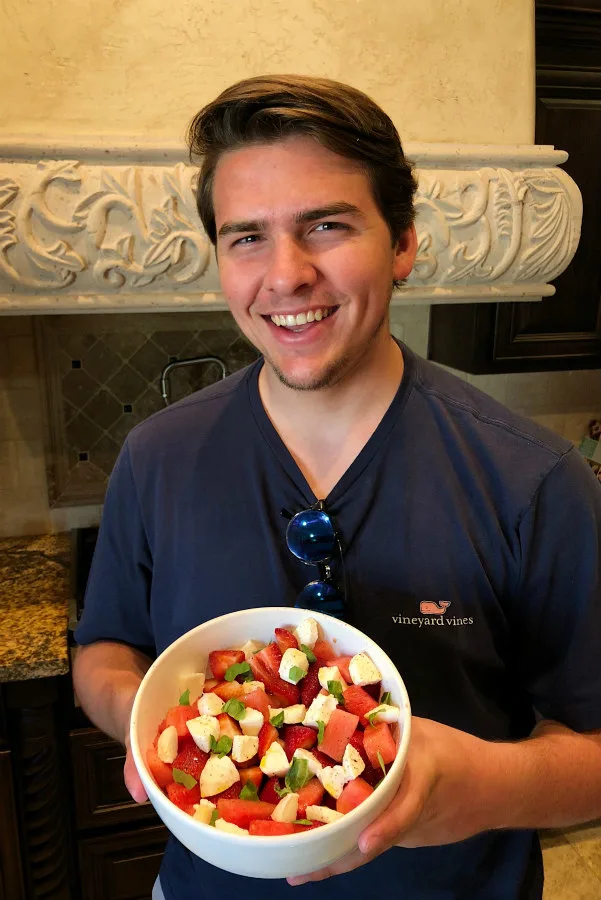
[(188, 421), (501, 451)]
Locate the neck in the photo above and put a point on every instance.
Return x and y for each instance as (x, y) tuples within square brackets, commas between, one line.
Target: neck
[(355, 404)]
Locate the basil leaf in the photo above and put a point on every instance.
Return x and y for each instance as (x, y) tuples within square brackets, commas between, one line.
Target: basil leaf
[(236, 669), (321, 727), (222, 746), (308, 653), (335, 688), (385, 697), (302, 822), (381, 761), (234, 708), (371, 715), (295, 674), (184, 700), (281, 792), (298, 774), (249, 791), (278, 720), (183, 778), (214, 816), (378, 783)]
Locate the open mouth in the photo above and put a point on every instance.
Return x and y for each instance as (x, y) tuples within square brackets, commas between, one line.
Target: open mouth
[(303, 320)]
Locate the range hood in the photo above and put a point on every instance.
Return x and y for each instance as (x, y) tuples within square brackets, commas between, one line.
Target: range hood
[(93, 225)]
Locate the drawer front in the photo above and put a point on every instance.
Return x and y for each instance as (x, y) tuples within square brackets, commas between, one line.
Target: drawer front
[(101, 797), (121, 866)]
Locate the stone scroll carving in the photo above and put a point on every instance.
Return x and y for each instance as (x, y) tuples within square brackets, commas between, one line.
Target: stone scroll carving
[(79, 236)]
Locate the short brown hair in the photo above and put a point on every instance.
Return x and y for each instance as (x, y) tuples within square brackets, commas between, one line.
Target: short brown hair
[(270, 108)]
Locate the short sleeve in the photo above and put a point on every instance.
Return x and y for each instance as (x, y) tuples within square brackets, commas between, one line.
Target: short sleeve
[(558, 608), (117, 599)]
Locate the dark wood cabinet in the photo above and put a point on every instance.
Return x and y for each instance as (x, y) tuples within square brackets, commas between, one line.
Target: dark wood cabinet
[(563, 331), (11, 877), (120, 843)]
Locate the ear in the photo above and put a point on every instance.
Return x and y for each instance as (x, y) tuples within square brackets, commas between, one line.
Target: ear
[(405, 252)]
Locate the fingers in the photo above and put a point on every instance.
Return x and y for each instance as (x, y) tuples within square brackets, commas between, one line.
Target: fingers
[(133, 782), (347, 863), (397, 819)]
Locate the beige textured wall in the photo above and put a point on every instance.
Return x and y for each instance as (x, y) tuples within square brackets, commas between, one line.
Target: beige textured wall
[(445, 71)]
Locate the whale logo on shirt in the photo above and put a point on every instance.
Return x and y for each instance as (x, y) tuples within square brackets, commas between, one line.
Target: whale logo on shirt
[(430, 608)]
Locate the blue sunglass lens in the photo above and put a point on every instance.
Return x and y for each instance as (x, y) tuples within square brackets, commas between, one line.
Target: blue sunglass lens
[(321, 597), (310, 536)]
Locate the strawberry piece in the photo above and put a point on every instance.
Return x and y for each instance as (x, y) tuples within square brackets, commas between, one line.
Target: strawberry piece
[(322, 758), (270, 656), (285, 694), (231, 793), (221, 660), (228, 689), (285, 640), (268, 793), (358, 702), (160, 771), (252, 773), (323, 651), (182, 797), (353, 793), (228, 726), (178, 716), (190, 759), (243, 812), (374, 690), (310, 686), (356, 740), (268, 827), (296, 736), (309, 795), (267, 735), (371, 774)]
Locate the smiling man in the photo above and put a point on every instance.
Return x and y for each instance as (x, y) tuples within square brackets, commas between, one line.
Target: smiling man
[(452, 512)]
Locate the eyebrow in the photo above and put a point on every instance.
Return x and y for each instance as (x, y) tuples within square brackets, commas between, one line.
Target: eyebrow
[(301, 218)]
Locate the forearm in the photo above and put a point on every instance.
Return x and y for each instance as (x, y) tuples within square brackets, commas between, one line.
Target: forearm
[(106, 676), (550, 780)]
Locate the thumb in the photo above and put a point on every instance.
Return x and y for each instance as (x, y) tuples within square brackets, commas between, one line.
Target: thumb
[(133, 782), (396, 819)]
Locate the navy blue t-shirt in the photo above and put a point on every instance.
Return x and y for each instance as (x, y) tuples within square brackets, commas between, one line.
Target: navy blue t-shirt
[(472, 544)]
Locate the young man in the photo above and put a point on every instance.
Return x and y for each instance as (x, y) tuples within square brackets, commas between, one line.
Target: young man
[(444, 500)]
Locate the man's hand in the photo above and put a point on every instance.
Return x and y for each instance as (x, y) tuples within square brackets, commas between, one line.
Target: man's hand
[(133, 782), (439, 800)]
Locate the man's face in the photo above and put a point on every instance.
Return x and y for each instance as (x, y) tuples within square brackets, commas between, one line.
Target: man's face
[(305, 258)]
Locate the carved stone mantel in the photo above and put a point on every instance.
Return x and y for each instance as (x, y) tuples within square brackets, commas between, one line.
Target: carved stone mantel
[(97, 225)]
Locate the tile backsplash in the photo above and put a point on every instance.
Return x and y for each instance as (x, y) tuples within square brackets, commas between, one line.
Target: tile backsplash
[(71, 387)]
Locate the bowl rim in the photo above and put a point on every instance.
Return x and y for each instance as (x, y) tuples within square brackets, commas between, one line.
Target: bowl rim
[(283, 840)]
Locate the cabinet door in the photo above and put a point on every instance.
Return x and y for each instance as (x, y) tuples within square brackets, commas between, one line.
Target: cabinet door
[(563, 331), (11, 881), (121, 866)]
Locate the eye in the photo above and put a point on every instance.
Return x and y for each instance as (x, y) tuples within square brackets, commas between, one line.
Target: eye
[(246, 241), (330, 226)]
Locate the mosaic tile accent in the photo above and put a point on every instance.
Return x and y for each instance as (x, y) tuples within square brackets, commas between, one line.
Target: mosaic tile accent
[(102, 376)]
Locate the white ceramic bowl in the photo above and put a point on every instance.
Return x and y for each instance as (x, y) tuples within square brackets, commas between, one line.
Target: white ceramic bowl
[(254, 856)]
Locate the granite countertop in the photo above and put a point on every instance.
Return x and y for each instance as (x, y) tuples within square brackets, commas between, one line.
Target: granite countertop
[(34, 606)]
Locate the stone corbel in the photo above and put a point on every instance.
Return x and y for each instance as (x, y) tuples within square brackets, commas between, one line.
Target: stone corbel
[(96, 226)]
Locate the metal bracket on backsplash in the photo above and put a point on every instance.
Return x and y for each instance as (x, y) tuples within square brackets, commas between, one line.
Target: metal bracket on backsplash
[(195, 360)]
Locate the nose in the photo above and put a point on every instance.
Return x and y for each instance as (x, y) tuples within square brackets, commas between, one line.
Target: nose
[(290, 269)]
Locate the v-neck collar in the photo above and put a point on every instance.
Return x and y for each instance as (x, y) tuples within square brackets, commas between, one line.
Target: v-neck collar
[(361, 461)]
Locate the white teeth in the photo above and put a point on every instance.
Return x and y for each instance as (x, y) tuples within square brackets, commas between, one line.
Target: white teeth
[(312, 315)]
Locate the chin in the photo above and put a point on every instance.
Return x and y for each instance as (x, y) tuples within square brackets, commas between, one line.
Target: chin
[(317, 379)]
